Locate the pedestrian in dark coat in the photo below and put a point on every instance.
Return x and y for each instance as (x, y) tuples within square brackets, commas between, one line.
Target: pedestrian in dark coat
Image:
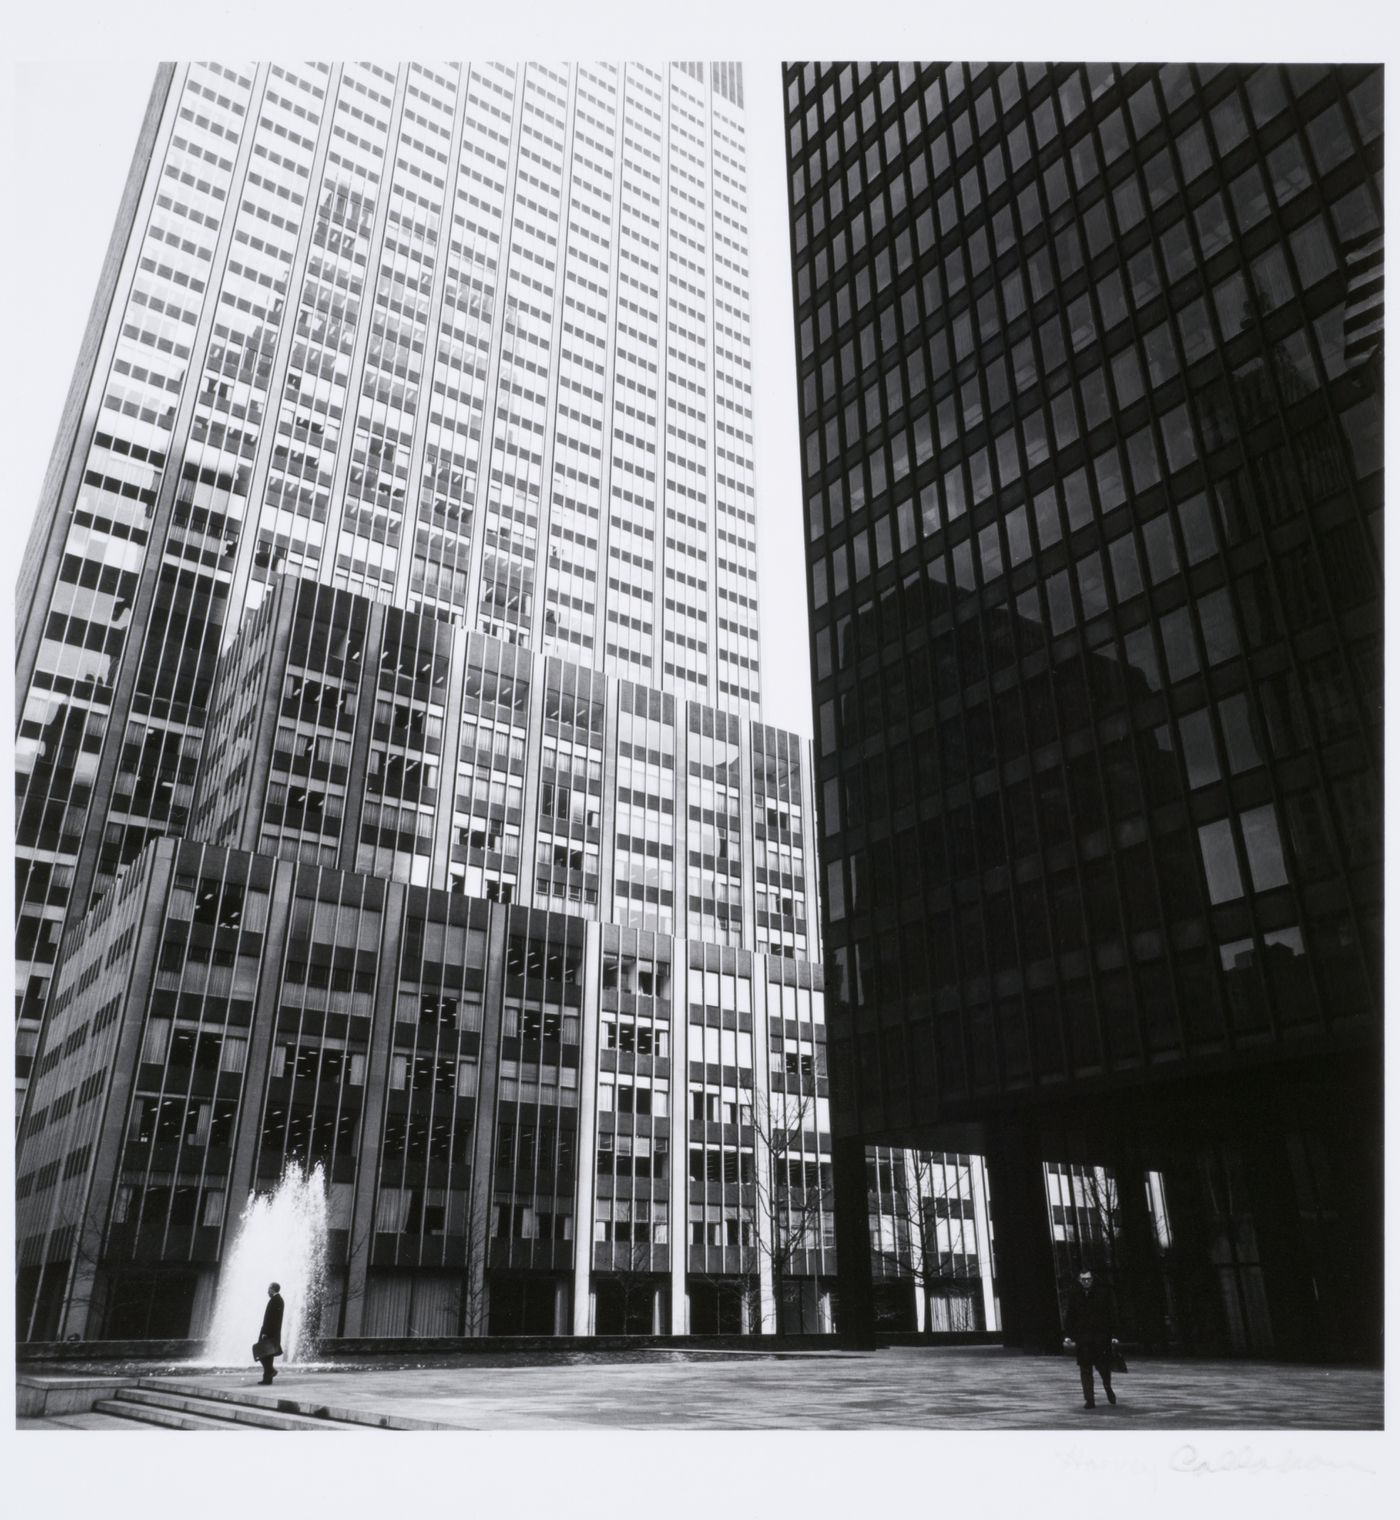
[(270, 1336), (1089, 1329)]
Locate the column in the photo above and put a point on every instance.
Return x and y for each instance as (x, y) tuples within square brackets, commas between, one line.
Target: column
[(1141, 1300), (1283, 1255), (381, 1043), (366, 695), (484, 1140), (1025, 1263), (914, 1210), (856, 1317), (281, 362), (355, 388), (586, 1141), (449, 776), (679, 1127), (747, 877), (607, 821), (267, 704), (981, 1223), (242, 1177), (767, 1188)]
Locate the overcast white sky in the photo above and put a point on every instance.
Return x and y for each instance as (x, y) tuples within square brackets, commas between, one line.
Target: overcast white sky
[(74, 162)]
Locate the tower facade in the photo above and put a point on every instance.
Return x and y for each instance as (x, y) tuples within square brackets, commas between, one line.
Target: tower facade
[(1089, 368), (389, 731), (474, 340)]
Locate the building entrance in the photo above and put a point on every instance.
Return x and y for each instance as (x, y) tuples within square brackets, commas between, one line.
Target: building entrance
[(522, 1306), (631, 1305), (716, 1308)]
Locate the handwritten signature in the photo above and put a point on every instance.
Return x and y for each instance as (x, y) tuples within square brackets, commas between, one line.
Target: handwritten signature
[(1236, 1459)]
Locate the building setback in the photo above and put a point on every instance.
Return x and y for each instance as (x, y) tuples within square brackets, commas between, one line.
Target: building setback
[(392, 788), (1089, 370), (356, 735)]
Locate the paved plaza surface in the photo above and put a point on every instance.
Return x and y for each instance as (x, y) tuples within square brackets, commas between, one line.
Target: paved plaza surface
[(908, 1388)]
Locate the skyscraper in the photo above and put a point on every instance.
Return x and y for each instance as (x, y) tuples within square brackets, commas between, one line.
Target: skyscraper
[(1089, 377), (475, 341), (390, 729)]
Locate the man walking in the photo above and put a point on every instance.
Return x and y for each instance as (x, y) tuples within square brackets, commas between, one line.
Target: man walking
[(270, 1336), (1089, 1329)]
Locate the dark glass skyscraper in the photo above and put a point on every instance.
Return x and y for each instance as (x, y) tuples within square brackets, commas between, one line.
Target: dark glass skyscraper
[(1089, 362)]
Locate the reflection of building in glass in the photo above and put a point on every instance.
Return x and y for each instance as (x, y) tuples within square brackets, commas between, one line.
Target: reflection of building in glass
[(1089, 368), (389, 723), (931, 1239)]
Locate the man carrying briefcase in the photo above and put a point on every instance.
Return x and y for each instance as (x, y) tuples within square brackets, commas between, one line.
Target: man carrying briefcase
[(269, 1343), (1089, 1329)]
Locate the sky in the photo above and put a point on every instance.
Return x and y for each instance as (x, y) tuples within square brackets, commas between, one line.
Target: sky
[(87, 152)]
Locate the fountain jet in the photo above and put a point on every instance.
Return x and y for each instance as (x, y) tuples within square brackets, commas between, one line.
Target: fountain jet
[(281, 1238)]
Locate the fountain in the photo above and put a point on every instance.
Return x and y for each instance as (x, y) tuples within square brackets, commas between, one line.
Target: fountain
[(281, 1238)]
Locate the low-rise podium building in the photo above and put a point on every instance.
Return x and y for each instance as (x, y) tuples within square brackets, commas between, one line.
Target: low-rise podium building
[(583, 1093)]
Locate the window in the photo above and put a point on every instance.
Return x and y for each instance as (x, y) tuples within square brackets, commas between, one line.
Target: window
[(156, 1040), (1218, 626), (1263, 848), (1180, 647), (1198, 749), (1222, 865), (1312, 249), (1240, 742), (1127, 573), (1160, 543)]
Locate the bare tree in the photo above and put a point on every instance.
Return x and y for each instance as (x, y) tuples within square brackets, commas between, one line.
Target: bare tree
[(929, 1198), (66, 1285), (82, 1274), (473, 1316), (786, 1199), (1101, 1194), (1087, 1223), (352, 1260), (633, 1276), (1093, 1218)]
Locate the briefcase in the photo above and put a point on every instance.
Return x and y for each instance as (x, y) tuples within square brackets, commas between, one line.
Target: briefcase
[(265, 1347), (1119, 1362)]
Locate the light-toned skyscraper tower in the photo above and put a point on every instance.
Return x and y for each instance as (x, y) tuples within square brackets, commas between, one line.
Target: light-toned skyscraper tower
[(393, 794), (473, 338)]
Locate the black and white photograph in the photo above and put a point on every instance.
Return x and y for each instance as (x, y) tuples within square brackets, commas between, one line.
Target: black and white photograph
[(698, 748)]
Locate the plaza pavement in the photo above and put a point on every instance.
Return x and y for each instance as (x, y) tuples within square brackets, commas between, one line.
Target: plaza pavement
[(907, 1388)]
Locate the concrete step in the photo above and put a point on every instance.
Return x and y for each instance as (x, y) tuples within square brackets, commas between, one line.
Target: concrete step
[(263, 1416), (89, 1419), (291, 1403), (151, 1414)]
